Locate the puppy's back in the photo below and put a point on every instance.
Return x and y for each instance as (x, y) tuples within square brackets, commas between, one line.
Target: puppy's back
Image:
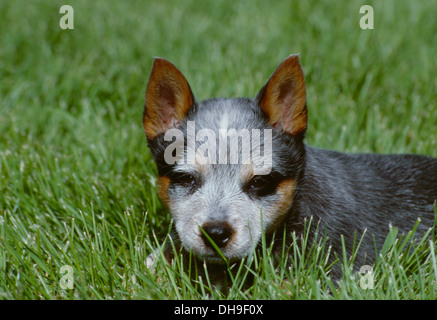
[(357, 192)]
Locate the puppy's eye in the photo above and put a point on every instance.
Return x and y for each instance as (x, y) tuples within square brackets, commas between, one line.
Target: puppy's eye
[(257, 183), (185, 179), (261, 186)]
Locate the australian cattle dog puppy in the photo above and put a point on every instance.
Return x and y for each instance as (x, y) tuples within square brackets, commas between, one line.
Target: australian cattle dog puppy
[(233, 169)]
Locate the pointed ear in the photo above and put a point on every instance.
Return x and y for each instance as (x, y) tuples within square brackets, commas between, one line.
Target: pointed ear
[(168, 98), (283, 98)]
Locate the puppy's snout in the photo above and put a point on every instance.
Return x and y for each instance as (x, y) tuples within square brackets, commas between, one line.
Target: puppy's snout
[(219, 232)]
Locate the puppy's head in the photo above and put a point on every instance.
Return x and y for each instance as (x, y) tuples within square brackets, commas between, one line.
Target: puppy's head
[(227, 168)]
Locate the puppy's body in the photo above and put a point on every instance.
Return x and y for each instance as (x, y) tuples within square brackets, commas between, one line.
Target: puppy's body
[(233, 203), (353, 193)]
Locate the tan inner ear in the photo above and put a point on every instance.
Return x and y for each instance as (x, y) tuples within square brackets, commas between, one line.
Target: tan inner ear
[(284, 97), (168, 98)]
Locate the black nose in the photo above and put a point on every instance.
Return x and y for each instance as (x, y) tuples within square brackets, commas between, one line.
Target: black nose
[(219, 232)]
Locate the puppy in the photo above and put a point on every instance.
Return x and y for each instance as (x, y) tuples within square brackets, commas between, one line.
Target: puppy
[(233, 169)]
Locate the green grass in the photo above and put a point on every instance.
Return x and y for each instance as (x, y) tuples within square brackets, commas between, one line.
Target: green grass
[(77, 182)]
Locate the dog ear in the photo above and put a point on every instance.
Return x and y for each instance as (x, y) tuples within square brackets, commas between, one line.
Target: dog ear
[(283, 98), (168, 98)]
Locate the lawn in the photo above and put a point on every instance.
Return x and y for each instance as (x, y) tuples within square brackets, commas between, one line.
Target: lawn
[(78, 184)]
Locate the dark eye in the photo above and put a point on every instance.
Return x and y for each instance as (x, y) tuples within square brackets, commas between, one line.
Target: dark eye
[(257, 183), (261, 186), (185, 179)]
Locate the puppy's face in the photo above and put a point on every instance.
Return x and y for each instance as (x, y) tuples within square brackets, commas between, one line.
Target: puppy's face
[(227, 167)]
